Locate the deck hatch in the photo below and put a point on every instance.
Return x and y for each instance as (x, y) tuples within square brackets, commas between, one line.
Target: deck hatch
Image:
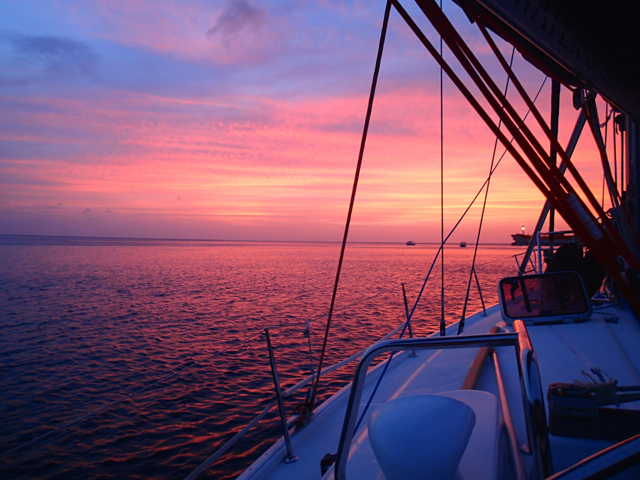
[(558, 297)]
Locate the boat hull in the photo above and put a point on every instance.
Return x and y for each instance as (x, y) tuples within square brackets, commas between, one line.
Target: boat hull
[(558, 239)]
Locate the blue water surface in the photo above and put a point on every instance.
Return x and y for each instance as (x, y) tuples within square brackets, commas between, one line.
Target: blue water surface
[(87, 321)]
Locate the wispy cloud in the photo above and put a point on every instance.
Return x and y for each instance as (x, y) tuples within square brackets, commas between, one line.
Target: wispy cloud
[(236, 118), (239, 15), (40, 55), (245, 33)]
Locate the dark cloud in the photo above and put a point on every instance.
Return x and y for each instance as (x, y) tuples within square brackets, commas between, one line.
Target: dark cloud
[(238, 15), (55, 54), (86, 210)]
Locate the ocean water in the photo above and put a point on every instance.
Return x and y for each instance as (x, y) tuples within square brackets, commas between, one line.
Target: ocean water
[(87, 322)]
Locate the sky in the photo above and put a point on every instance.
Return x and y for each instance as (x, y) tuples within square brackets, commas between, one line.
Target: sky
[(241, 120)]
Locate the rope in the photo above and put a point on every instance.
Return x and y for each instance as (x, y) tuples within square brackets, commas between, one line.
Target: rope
[(424, 284), (484, 205), (374, 83)]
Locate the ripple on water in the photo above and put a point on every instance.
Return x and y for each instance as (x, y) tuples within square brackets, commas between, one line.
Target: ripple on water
[(89, 322)]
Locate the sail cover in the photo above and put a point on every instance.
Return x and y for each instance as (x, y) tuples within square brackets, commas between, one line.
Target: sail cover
[(581, 43)]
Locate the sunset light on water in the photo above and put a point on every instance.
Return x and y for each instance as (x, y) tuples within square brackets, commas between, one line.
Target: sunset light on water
[(175, 176), (87, 322)]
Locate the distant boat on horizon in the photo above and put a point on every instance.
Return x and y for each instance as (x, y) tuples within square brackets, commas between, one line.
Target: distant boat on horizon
[(559, 238), (411, 243), (463, 244)]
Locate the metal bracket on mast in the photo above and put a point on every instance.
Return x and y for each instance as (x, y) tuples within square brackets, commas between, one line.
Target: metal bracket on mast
[(573, 200)]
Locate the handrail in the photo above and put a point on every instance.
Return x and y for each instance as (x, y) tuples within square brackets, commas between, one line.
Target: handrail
[(508, 420), (606, 463), (529, 380), (533, 401)]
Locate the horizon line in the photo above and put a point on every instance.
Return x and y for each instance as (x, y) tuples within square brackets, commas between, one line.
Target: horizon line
[(239, 240)]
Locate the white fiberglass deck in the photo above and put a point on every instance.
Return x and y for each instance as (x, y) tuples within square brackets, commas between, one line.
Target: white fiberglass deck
[(607, 340)]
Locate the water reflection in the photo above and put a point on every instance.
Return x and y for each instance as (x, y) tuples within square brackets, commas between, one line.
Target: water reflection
[(86, 323)]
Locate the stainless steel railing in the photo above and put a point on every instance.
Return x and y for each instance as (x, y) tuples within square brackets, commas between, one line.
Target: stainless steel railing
[(618, 458), (533, 401)]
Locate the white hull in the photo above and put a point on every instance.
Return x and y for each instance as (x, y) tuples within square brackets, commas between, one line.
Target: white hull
[(563, 352)]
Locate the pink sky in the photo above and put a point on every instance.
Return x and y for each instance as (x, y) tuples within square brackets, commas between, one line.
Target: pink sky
[(240, 120)]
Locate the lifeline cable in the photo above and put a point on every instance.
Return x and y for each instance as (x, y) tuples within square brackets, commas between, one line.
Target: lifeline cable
[(290, 391), (424, 284), (600, 235), (363, 142), (218, 453), (484, 205)]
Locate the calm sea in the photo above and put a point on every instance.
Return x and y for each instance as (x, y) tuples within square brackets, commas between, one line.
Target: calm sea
[(88, 321)]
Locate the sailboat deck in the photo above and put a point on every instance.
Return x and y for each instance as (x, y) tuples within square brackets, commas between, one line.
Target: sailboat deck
[(564, 351)]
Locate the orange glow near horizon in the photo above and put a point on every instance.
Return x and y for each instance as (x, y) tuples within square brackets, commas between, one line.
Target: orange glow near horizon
[(252, 165)]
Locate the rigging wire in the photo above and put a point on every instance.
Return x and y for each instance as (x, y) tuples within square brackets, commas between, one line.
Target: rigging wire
[(442, 321), (199, 362), (573, 200), (440, 249), (246, 340), (615, 153), (484, 205), (363, 142), (606, 137), (176, 372)]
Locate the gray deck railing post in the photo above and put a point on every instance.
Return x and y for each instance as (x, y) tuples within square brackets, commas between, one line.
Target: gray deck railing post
[(283, 417)]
